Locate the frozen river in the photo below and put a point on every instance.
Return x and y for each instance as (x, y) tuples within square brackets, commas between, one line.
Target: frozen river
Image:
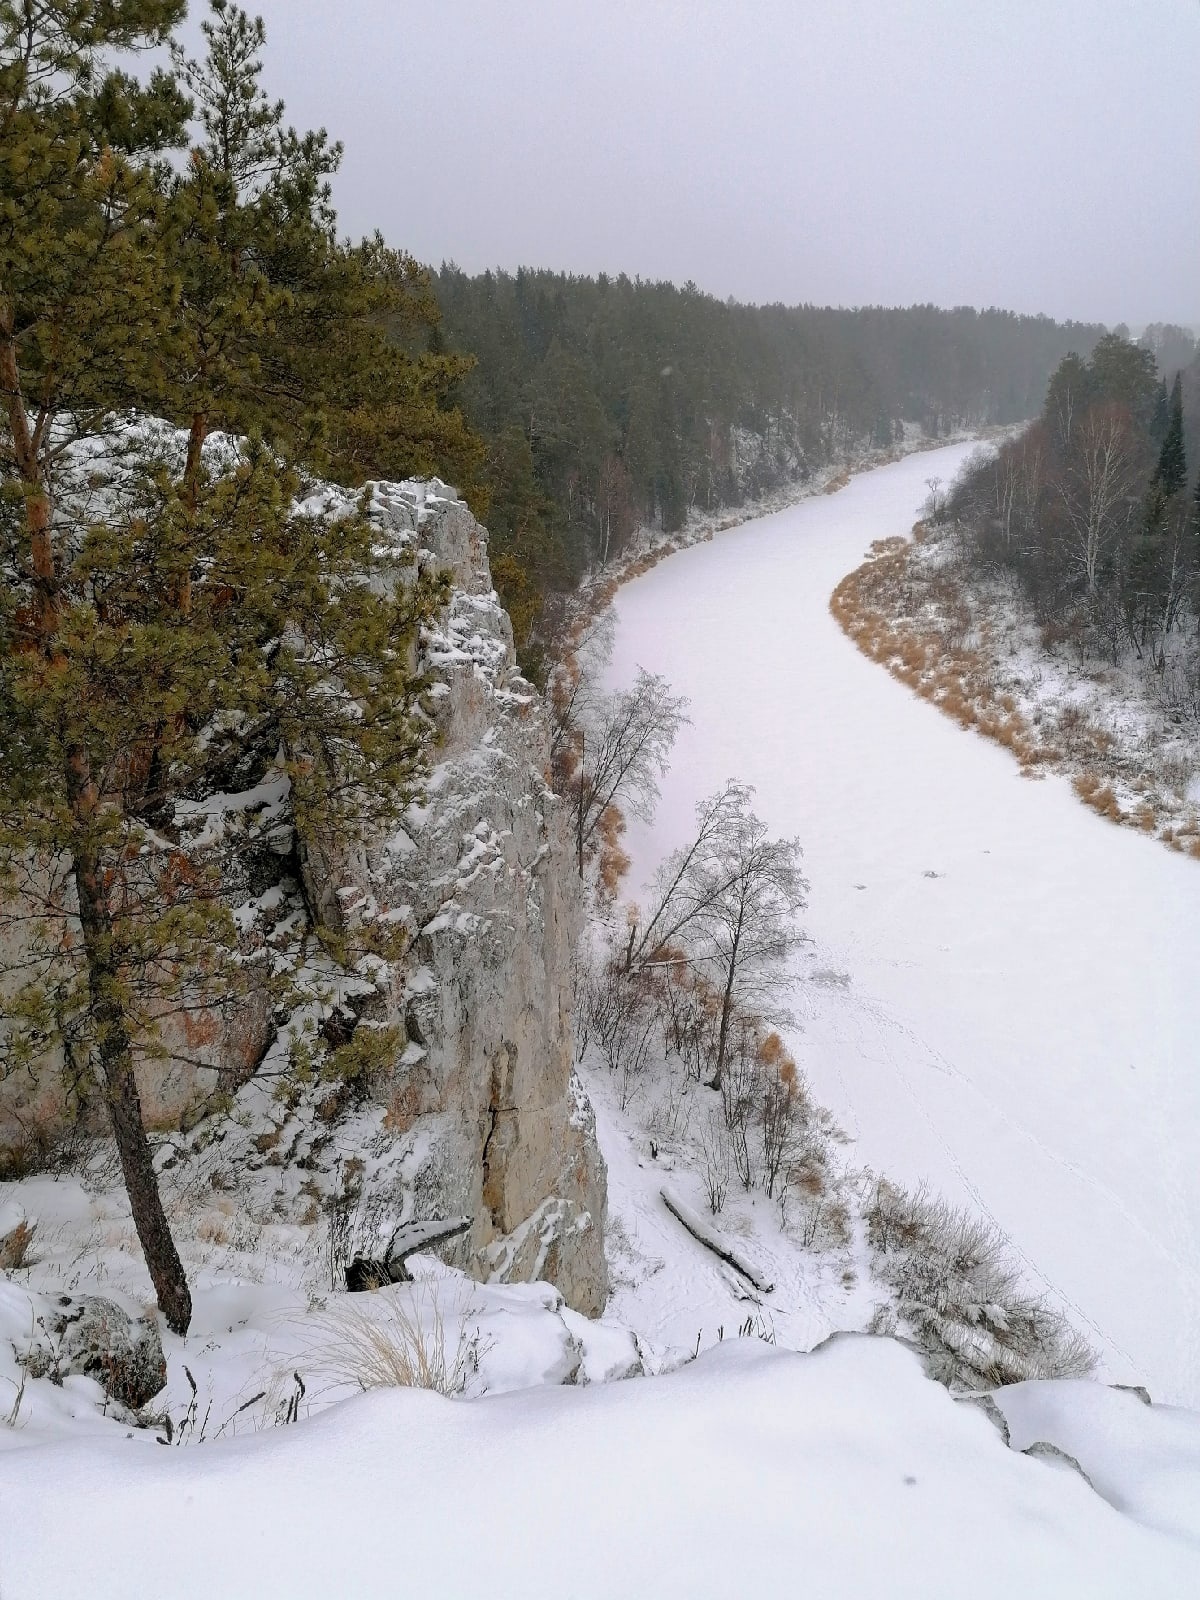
[(1003, 995)]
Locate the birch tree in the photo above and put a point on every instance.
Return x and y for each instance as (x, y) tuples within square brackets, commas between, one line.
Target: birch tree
[(1097, 491), (689, 882), (753, 892)]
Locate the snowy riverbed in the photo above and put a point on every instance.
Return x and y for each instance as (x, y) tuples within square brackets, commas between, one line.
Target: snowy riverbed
[(1000, 997)]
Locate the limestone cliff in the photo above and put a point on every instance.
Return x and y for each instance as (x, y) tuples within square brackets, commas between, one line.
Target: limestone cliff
[(478, 1111), (484, 871)]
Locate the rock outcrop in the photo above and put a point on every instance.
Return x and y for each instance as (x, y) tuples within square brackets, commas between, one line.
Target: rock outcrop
[(478, 1113), (483, 869), (94, 1337)]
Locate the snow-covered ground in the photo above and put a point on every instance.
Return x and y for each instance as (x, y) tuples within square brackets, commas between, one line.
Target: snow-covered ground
[(1000, 997), (751, 1471), (672, 1291)]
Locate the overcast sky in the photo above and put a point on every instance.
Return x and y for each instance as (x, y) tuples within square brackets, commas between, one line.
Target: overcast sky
[(1042, 155)]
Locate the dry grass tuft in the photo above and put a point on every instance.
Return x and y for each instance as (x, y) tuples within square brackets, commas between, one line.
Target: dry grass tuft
[(14, 1245), (397, 1338), (614, 862)]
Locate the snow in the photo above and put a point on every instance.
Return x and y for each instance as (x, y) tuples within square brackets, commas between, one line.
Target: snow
[(263, 1310), (845, 1472), (1000, 995), (671, 1290), (1144, 1460)]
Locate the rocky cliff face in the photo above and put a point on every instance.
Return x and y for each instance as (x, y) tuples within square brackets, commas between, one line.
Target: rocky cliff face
[(484, 871), (479, 1112)]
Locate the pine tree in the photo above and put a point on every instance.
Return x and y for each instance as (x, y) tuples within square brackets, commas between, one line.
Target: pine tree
[(1161, 413), (82, 305), (152, 597), (1171, 472)]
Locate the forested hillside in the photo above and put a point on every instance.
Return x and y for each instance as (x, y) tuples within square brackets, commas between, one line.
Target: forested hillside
[(1091, 507), (609, 402)]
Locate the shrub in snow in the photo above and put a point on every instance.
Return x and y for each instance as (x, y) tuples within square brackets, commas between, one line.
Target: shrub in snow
[(620, 1014), (956, 1288), (715, 1161)]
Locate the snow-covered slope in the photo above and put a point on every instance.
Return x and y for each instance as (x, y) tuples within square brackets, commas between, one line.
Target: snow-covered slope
[(842, 1474), (1000, 997)]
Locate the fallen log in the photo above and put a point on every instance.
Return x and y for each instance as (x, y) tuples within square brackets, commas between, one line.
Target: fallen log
[(372, 1272), (712, 1240)]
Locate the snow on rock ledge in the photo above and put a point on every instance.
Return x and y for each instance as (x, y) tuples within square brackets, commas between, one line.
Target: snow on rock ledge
[(753, 1471), (484, 870)]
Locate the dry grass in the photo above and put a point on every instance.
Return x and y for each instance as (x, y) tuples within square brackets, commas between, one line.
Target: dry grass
[(14, 1245), (396, 1338), (614, 863), (1085, 785), (914, 621), (1097, 794)]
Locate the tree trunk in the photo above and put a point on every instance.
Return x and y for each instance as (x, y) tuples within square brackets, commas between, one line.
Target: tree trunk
[(727, 998), (116, 1059), (197, 434), (581, 809), (723, 1039)]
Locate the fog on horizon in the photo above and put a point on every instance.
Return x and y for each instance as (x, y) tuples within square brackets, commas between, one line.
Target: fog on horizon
[(1039, 155)]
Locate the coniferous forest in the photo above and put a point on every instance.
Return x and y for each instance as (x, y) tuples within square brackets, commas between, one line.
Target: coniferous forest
[(609, 402)]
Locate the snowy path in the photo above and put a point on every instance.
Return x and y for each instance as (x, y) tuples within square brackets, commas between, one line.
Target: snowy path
[(1003, 993)]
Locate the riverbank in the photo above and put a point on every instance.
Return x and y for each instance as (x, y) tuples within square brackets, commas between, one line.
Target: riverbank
[(649, 546), (972, 649)]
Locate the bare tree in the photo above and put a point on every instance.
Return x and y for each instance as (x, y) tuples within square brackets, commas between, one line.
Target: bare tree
[(714, 1157), (623, 753), (616, 507), (1097, 491), (580, 644), (783, 1112), (741, 1085), (726, 905), (683, 891), (753, 891), (621, 1015)]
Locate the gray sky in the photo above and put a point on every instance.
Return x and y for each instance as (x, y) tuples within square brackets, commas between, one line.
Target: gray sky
[(1042, 155)]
